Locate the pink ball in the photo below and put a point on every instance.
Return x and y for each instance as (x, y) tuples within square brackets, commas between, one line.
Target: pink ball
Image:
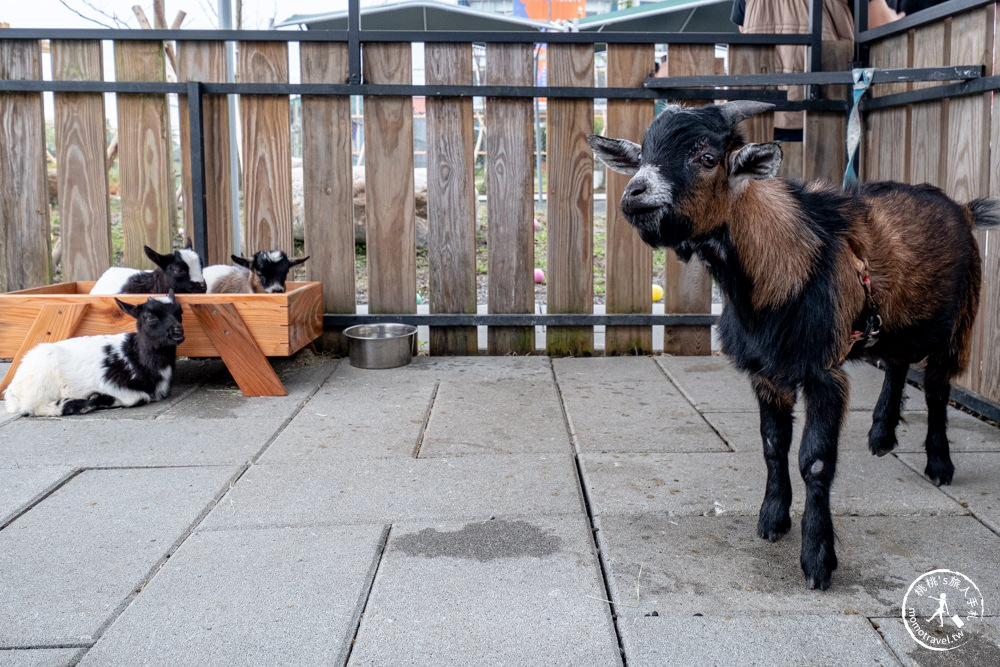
[(536, 223), (539, 276)]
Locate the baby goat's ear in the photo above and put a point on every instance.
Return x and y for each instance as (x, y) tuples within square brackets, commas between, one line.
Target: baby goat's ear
[(128, 308), (621, 155), (242, 261), (754, 161), (156, 258), (296, 262)]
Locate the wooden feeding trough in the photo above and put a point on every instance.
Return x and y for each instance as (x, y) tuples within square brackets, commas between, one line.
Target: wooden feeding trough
[(242, 329)]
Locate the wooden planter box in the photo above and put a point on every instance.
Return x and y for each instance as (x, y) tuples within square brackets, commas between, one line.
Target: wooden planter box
[(242, 329)]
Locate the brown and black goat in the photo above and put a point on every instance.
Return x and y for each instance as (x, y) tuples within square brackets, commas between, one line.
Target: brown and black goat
[(812, 277)]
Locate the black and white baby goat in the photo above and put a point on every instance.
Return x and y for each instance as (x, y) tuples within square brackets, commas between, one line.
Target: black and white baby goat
[(78, 375), (812, 276), (179, 271), (265, 272)]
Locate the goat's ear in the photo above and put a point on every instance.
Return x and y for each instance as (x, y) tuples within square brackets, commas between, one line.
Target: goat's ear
[(242, 261), (621, 155), (156, 258), (128, 308), (739, 110), (170, 295), (296, 262), (189, 245), (754, 161)]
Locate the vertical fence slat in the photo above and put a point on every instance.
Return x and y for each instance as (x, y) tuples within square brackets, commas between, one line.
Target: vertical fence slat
[(509, 168), (824, 134), (927, 141), (206, 62), (326, 179), (267, 149), (24, 201), (754, 60), (570, 212), (451, 197), (687, 286), (144, 154), (887, 151), (968, 158), (989, 313), (390, 216), (629, 260), (81, 172)]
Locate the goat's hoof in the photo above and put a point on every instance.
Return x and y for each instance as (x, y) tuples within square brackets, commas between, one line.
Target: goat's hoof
[(771, 529), (881, 444), (940, 472), (818, 570)]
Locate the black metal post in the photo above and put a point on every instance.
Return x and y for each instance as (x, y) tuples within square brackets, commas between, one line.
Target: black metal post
[(815, 44), (197, 225), (860, 25), (354, 41)]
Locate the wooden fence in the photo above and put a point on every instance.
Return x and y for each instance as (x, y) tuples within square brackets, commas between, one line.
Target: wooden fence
[(147, 181), (953, 143)]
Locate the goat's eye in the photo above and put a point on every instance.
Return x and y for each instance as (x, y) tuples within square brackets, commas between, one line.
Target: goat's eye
[(708, 160)]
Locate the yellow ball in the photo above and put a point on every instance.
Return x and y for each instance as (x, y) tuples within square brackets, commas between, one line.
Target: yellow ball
[(657, 292)]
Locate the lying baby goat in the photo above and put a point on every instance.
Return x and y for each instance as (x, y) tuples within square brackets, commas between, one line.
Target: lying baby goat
[(179, 271), (78, 375), (812, 277), (265, 272)]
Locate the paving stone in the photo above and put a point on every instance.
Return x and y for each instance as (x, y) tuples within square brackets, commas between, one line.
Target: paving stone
[(733, 483), (714, 385), (503, 416), (260, 597), (982, 649), (711, 383), (357, 413), (38, 657), (390, 490), (718, 565), (506, 591), (214, 425), (23, 486), (753, 640), (741, 431), (628, 405), (69, 564), (478, 368), (966, 433), (976, 484)]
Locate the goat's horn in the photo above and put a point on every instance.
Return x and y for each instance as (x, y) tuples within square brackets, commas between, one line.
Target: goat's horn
[(739, 110)]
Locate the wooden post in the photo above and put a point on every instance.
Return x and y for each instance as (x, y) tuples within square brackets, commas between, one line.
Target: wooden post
[(629, 260), (144, 162), (570, 199), (754, 60), (968, 167), (267, 150), (824, 133), (928, 146), (24, 203), (886, 146), (451, 197), (687, 285), (84, 215), (389, 208), (206, 62), (509, 169), (327, 181)]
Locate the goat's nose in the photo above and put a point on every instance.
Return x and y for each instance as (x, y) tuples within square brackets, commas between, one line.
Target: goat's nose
[(635, 188)]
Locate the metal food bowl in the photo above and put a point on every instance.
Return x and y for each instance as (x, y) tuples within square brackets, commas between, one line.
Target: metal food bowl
[(381, 345)]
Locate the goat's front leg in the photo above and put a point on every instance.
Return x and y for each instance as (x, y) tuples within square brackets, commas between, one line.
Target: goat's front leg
[(937, 389), (882, 435), (826, 397), (776, 434)]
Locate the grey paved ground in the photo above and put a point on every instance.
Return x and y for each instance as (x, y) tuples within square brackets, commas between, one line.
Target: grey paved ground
[(468, 511)]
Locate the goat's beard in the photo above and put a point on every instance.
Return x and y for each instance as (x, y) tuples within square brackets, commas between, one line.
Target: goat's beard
[(661, 228)]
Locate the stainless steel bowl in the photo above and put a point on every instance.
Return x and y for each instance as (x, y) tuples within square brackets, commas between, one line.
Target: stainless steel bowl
[(381, 345)]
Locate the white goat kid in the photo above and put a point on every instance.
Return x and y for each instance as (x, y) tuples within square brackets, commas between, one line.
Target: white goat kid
[(79, 375)]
